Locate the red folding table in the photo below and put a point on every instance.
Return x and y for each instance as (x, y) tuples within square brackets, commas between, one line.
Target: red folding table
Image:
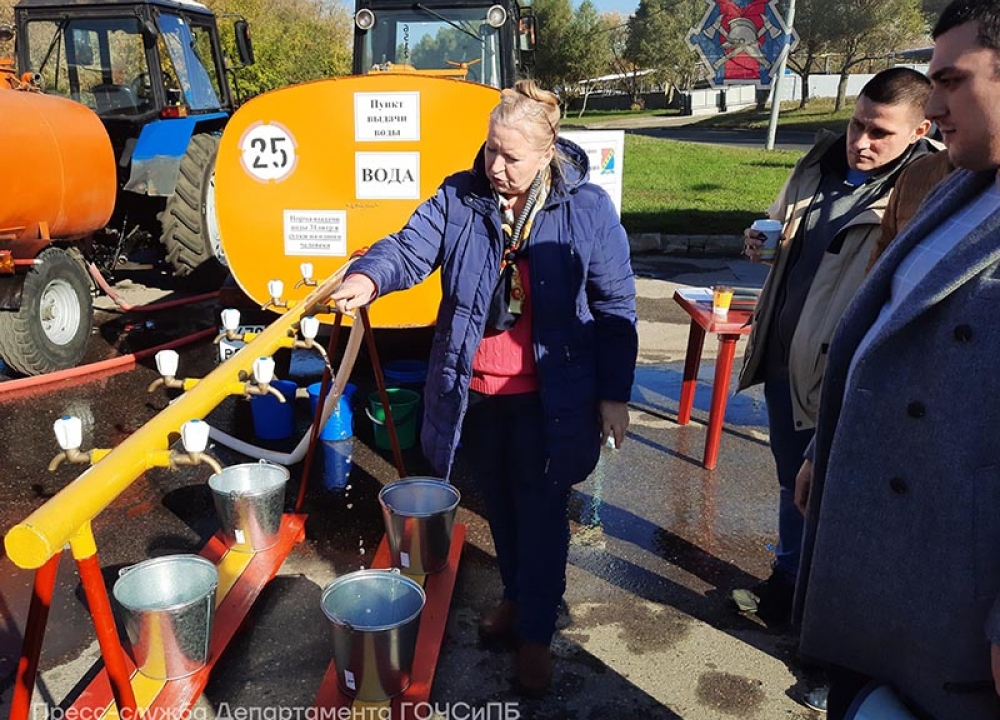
[(698, 305)]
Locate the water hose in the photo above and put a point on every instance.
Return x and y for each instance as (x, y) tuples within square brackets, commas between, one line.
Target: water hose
[(126, 307), (122, 362), (332, 399)]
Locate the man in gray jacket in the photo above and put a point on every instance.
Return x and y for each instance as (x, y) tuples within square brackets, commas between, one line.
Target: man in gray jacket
[(900, 575), (831, 208)]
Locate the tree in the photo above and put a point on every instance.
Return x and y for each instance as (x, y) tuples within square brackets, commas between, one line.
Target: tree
[(621, 65), (813, 42), (587, 49), (932, 9), (448, 45), (294, 41), (551, 62), (864, 30), (657, 40)]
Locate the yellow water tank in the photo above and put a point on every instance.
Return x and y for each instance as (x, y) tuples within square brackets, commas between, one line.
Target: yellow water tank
[(314, 172)]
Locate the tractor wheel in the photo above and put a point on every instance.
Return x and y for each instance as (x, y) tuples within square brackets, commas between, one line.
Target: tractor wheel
[(190, 232), (52, 328)]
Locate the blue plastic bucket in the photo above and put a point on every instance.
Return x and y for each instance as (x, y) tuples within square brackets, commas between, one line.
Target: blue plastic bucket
[(272, 419), (409, 374), (337, 436), (338, 461), (340, 424)]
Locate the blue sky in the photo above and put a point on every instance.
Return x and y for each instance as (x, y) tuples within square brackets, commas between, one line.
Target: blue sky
[(625, 7)]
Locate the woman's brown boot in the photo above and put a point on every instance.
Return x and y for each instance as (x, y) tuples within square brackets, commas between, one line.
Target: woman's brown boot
[(497, 626)]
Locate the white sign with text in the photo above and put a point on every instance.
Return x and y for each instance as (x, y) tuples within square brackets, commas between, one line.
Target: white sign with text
[(389, 116), (387, 176), (320, 233), (267, 152), (606, 151)]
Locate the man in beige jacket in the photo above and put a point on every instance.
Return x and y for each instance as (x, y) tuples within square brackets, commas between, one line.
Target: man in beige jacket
[(831, 207)]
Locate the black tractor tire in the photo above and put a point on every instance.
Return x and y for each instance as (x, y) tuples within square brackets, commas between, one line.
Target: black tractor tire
[(52, 328), (186, 226)]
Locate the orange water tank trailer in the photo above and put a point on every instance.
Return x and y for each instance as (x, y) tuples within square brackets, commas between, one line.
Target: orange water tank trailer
[(59, 180), (313, 172)]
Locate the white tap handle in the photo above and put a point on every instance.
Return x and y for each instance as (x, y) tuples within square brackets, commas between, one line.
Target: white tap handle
[(194, 436), (263, 370), (309, 326), (166, 363), (69, 432), (306, 269), (275, 288), (230, 319)]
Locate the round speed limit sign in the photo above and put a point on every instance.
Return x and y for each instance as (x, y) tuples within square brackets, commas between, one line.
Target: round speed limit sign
[(267, 152)]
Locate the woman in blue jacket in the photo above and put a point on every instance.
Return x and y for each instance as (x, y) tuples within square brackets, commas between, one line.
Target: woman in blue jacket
[(534, 349)]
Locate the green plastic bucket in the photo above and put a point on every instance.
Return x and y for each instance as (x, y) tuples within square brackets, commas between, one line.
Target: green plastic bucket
[(403, 405)]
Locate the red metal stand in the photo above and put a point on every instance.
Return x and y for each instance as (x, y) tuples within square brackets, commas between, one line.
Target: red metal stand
[(397, 454), (115, 664), (178, 696), (34, 633), (692, 361)]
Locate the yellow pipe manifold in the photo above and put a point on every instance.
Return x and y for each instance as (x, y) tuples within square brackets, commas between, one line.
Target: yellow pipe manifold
[(48, 529)]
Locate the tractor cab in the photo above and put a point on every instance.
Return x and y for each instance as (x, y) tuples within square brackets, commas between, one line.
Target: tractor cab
[(127, 59), (477, 41), (131, 62)]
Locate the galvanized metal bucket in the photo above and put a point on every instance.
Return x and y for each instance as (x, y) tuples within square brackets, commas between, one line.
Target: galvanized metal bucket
[(375, 616), (249, 500), (168, 607), (419, 514)]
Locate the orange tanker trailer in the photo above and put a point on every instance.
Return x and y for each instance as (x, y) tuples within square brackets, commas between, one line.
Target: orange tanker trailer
[(59, 189)]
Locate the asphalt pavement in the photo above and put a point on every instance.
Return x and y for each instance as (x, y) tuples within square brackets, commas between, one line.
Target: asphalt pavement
[(657, 543)]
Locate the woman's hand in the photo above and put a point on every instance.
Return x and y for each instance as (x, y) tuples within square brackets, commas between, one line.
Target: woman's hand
[(614, 421), (355, 291)]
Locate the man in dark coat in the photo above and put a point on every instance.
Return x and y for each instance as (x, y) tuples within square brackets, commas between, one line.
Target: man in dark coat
[(900, 574)]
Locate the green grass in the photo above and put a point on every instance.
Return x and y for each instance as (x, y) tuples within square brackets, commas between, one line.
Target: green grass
[(819, 114), (694, 189), (574, 115)]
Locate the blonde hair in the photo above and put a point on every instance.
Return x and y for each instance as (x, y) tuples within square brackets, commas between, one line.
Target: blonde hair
[(536, 112), (528, 107)]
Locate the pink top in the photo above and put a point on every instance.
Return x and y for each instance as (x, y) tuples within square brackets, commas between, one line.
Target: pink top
[(504, 363)]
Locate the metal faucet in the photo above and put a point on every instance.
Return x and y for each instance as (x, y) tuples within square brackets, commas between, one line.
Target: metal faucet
[(275, 288), (306, 269), (263, 374), (69, 435), (309, 327), (230, 324), (166, 365), (194, 437)]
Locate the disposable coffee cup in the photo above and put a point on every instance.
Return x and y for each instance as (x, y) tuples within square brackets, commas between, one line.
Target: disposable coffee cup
[(771, 229)]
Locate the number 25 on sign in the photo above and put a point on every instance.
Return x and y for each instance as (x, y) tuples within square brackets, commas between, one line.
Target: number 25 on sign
[(267, 152)]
